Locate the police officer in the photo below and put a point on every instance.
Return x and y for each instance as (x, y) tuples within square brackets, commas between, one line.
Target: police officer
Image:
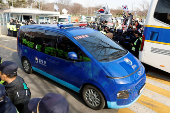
[(136, 46), (6, 105), (16, 88)]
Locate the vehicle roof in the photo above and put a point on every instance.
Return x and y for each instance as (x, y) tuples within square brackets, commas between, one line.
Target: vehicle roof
[(74, 31)]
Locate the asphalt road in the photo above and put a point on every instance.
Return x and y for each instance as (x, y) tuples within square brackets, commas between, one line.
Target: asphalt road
[(156, 96)]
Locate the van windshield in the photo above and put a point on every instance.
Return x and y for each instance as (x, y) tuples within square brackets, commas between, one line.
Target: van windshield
[(101, 47)]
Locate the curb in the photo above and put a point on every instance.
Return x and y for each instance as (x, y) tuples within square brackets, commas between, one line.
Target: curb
[(6, 36)]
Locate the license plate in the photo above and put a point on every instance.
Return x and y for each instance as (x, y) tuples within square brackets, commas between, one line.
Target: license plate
[(141, 90)]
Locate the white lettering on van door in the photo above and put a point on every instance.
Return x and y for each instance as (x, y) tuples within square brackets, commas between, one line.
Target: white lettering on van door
[(40, 61)]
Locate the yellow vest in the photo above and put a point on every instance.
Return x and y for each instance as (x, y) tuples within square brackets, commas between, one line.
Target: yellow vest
[(8, 25), (14, 28)]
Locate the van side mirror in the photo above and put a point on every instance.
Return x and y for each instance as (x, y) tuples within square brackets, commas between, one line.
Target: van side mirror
[(72, 56)]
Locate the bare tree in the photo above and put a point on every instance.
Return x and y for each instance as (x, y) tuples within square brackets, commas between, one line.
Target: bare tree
[(77, 9), (145, 8), (144, 5)]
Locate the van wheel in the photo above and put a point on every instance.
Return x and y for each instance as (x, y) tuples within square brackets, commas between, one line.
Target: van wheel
[(93, 97), (26, 66)]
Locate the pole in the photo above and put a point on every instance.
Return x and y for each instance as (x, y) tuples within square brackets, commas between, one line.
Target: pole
[(80, 10), (91, 10), (12, 3), (87, 11), (39, 4)]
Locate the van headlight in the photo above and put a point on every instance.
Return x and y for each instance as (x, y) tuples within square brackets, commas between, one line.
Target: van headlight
[(123, 94)]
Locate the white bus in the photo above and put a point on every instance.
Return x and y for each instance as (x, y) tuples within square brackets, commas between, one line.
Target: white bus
[(155, 48)]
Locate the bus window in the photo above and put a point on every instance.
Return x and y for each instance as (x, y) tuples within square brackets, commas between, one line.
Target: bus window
[(162, 11), (154, 36)]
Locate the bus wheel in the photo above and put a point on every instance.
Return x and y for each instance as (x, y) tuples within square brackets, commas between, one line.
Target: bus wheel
[(93, 97), (26, 66)]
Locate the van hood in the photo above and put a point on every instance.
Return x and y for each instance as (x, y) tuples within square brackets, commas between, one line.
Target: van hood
[(123, 67)]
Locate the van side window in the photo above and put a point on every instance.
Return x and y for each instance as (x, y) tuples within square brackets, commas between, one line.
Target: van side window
[(49, 45), (65, 45), (45, 41), (27, 39)]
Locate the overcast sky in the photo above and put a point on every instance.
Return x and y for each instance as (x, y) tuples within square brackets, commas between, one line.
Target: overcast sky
[(111, 3)]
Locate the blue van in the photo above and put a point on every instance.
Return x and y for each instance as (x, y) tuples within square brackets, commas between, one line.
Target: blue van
[(84, 60)]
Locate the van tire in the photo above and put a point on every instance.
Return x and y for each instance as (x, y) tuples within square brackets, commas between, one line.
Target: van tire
[(26, 66), (91, 94)]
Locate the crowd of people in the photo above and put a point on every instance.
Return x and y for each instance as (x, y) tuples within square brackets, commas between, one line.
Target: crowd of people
[(128, 36), (13, 30), (15, 95)]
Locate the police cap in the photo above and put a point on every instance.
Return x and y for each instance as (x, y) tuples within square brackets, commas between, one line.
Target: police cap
[(51, 102), (8, 67)]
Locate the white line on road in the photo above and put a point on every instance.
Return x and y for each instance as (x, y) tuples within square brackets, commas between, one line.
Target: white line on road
[(157, 97)]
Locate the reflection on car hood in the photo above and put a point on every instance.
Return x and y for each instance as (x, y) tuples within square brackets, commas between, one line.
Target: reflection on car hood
[(122, 67)]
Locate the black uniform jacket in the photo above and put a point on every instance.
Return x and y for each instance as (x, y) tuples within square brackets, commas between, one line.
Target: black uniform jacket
[(19, 96), (7, 106)]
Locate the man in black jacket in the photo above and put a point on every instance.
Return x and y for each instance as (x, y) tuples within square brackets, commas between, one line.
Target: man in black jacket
[(16, 88), (119, 38), (136, 46), (6, 105)]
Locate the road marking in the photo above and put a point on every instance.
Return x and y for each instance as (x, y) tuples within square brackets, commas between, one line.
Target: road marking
[(8, 48), (158, 84), (158, 79), (157, 97), (139, 108), (158, 90), (154, 105), (125, 110)]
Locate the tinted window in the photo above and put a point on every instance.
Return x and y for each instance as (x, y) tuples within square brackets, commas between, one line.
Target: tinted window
[(101, 47), (45, 41), (65, 45), (162, 11), (27, 38)]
